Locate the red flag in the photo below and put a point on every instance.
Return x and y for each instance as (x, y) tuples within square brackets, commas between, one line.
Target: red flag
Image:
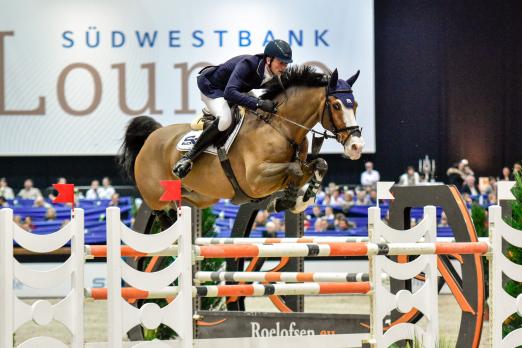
[(172, 191), (65, 193)]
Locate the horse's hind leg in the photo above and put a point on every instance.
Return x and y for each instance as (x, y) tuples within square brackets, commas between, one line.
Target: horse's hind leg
[(288, 199)]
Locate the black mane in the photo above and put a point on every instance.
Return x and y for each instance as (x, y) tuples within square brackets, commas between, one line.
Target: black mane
[(300, 75)]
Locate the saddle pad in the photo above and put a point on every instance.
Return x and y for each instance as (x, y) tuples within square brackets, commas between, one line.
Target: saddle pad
[(188, 140)]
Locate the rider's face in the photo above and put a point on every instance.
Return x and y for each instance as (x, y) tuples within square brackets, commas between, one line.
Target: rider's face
[(276, 66)]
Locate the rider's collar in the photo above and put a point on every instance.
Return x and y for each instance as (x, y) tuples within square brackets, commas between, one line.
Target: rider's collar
[(267, 75)]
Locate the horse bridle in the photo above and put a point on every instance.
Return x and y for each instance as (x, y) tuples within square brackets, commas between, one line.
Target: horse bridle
[(351, 130)]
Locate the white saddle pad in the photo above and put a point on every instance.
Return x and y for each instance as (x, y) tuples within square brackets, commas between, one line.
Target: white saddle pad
[(189, 139)]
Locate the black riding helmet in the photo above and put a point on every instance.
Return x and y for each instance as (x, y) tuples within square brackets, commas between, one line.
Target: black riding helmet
[(279, 49)]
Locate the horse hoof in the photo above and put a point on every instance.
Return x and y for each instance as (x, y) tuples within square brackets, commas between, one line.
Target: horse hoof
[(270, 208), (301, 206)]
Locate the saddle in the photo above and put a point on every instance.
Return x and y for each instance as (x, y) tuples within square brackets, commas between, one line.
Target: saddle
[(202, 121), (221, 147)]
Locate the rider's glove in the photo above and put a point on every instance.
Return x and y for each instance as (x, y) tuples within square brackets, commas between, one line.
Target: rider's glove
[(266, 105)]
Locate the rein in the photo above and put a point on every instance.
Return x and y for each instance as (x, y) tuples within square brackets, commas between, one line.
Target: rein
[(352, 130)]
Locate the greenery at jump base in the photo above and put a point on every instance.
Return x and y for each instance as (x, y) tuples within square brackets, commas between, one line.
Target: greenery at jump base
[(515, 254), (480, 220), (164, 332)]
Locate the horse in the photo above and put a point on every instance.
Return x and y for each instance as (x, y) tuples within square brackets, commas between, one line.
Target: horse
[(269, 153)]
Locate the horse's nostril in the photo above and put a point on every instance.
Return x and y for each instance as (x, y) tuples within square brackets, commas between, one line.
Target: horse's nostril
[(354, 147)]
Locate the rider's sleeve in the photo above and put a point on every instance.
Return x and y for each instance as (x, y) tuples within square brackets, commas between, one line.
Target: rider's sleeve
[(235, 82)]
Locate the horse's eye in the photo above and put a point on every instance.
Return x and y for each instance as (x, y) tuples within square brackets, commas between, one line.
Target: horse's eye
[(336, 106)]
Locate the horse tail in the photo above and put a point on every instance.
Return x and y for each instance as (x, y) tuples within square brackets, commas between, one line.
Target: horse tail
[(137, 132)]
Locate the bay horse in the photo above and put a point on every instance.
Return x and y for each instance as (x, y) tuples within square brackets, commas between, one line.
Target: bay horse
[(269, 153)]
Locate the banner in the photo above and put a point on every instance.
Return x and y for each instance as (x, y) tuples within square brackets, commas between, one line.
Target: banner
[(74, 73)]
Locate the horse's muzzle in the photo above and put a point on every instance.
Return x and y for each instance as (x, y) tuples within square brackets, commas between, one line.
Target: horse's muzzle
[(353, 149)]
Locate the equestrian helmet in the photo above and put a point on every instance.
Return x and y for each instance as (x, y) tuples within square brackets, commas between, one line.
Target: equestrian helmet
[(279, 49)]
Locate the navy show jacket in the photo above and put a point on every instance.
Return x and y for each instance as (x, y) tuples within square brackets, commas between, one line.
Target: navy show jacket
[(234, 78)]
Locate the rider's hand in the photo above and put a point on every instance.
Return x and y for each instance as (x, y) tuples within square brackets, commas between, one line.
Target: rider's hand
[(266, 105)]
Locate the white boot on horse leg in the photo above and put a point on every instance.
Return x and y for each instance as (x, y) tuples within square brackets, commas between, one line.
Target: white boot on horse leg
[(300, 204), (307, 194)]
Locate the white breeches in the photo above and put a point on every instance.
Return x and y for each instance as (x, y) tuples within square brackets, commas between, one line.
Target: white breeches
[(219, 108)]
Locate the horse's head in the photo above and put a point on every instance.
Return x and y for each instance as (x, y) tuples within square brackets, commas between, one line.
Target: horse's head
[(339, 115)]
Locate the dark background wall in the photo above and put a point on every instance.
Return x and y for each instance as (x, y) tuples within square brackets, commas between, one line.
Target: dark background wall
[(448, 84)]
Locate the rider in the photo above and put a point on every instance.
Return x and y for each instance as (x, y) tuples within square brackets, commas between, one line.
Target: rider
[(227, 84)]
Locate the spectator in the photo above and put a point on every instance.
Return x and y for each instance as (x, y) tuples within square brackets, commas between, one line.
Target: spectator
[(329, 213), (327, 200), (456, 175), (336, 199), (17, 219), (332, 186), (52, 192), (271, 230), (5, 190), (492, 198), (466, 168), (50, 214), (345, 225), (470, 187), (493, 183), (261, 219), (106, 191), (77, 196), (370, 176), (29, 192), (348, 200), (443, 220), (506, 174), (28, 224), (517, 167), (115, 200), (373, 197), (410, 178), (321, 225), (338, 218), (467, 198), (94, 191), (362, 198), (279, 225), (3, 202), (40, 203), (486, 185), (316, 212)]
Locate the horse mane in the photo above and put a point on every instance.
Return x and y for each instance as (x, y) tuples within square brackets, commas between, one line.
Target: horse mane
[(299, 75)]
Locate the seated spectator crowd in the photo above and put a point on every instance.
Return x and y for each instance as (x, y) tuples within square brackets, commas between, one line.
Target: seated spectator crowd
[(339, 210), (343, 210), (36, 212)]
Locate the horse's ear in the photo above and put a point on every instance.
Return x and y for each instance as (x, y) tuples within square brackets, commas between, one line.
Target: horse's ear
[(333, 79), (352, 79)]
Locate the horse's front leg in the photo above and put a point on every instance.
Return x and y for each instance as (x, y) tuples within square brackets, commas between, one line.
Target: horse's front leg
[(315, 171)]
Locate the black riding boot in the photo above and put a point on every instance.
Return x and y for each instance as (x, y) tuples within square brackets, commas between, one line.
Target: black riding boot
[(207, 138)]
